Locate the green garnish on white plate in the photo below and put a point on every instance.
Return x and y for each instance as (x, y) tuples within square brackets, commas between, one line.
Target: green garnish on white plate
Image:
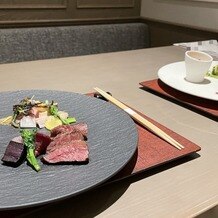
[(213, 73)]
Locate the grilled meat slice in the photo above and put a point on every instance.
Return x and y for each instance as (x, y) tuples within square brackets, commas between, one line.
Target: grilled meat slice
[(74, 151), (41, 143), (64, 138), (80, 127)]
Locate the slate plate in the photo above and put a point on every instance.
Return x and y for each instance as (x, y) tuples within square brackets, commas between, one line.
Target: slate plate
[(112, 140)]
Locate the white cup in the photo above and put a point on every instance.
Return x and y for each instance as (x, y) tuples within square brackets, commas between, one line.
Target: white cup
[(197, 63)]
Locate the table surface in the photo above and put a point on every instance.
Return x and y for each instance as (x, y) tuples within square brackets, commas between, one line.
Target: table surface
[(181, 189)]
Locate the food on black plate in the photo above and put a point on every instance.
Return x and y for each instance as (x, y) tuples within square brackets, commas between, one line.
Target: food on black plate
[(42, 140), (68, 144), (80, 127), (63, 138), (14, 154), (30, 113), (28, 136), (71, 151), (60, 143), (64, 144)]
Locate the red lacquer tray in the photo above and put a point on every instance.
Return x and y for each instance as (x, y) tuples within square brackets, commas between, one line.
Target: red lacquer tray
[(152, 152), (203, 106)]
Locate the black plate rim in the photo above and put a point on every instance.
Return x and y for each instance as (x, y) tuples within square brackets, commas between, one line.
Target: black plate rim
[(64, 197)]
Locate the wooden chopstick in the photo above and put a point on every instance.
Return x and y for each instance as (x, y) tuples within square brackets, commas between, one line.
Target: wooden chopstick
[(141, 120)]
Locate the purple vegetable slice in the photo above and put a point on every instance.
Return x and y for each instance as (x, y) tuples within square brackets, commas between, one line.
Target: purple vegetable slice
[(15, 154)]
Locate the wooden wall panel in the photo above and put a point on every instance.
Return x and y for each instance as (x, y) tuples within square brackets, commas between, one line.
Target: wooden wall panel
[(57, 12), (105, 4), (216, 1), (33, 4)]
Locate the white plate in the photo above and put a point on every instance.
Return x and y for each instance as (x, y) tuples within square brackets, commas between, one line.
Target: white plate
[(174, 76)]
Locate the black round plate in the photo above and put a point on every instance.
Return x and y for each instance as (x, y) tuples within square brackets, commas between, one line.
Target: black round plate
[(112, 141)]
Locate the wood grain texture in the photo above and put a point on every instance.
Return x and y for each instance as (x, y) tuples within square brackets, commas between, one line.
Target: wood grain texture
[(216, 1), (62, 12), (30, 5), (191, 181), (105, 4)]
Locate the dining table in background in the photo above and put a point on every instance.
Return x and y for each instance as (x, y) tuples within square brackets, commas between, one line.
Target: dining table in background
[(183, 188)]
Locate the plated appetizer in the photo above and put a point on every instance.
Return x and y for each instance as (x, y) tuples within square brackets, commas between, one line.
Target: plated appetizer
[(63, 142), (30, 113)]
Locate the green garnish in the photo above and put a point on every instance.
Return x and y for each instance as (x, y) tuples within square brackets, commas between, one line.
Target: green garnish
[(213, 73), (21, 109), (28, 140), (53, 109), (24, 108), (70, 120)]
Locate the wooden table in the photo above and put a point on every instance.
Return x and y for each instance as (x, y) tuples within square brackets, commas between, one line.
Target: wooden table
[(181, 189)]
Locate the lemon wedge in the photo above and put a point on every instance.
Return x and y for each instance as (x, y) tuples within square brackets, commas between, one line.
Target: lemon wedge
[(52, 122)]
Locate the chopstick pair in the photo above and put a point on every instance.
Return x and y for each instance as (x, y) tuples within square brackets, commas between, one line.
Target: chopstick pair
[(141, 120)]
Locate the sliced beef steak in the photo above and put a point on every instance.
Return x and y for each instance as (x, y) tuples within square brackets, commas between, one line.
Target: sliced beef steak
[(64, 138), (42, 141), (80, 127), (68, 144), (74, 151)]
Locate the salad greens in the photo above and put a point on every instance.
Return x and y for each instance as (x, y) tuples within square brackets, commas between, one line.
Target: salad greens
[(53, 109), (21, 109), (28, 136)]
